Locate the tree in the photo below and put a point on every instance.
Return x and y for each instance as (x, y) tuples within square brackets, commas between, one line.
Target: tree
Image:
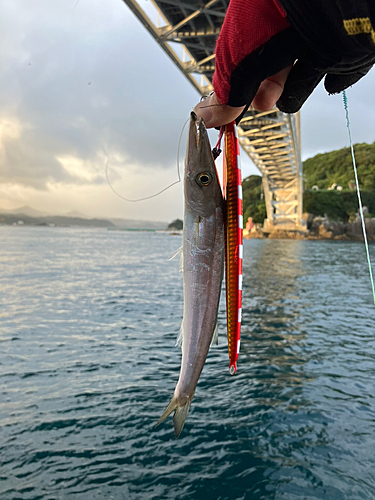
[(337, 167), (253, 203), (176, 224)]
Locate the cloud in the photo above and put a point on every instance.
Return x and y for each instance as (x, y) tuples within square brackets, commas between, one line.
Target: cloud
[(98, 200), (323, 122), (79, 81), (83, 171)]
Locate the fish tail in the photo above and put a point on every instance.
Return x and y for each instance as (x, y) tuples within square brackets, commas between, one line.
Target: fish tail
[(179, 417), (180, 414)]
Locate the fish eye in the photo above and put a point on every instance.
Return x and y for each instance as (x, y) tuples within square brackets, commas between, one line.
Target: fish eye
[(204, 179)]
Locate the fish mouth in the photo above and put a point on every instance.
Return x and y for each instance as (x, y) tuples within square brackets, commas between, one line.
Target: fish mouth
[(192, 135), (199, 148), (198, 128)]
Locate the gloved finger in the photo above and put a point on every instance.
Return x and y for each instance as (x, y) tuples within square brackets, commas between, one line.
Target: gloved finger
[(300, 83), (239, 118), (266, 62), (268, 93), (339, 82)]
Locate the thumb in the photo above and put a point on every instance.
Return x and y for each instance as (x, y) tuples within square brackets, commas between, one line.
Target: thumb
[(214, 113)]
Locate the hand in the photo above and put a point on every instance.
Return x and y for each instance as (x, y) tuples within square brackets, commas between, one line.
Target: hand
[(266, 55), (215, 114)]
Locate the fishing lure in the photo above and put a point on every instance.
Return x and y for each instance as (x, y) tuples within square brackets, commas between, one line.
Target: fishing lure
[(232, 186)]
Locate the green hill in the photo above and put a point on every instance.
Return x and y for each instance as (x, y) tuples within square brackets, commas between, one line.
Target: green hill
[(325, 169), (253, 203)]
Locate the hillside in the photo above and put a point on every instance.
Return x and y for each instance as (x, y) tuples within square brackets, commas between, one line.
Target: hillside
[(32, 217), (56, 220), (325, 169), (253, 202)]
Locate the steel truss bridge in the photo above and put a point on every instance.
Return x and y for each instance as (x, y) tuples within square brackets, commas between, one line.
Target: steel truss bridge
[(187, 31)]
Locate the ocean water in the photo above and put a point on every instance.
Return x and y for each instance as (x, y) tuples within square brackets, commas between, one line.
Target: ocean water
[(88, 323)]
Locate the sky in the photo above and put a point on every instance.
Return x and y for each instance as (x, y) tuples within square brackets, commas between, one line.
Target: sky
[(83, 85)]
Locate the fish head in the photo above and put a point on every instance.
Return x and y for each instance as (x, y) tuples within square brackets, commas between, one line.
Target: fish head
[(202, 189)]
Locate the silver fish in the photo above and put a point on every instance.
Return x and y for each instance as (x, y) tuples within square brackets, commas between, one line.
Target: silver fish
[(203, 263)]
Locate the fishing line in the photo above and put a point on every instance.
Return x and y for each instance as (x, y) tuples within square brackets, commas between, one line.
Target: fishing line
[(212, 106), (345, 99), (74, 8), (162, 191)]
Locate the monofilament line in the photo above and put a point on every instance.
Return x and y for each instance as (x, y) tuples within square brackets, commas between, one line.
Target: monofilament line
[(159, 192), (345, 99)]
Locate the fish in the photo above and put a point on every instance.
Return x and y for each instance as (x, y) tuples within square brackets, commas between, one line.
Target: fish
[(233, 242), (202, 266)]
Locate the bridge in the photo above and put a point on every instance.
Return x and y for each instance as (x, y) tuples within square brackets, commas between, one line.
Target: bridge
[(187, 31)]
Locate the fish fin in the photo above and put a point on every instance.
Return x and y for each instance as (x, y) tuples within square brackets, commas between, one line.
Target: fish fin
[(174, 254), (171, 407), (196, 232), (179, 417), (215, 336), (180, 335)]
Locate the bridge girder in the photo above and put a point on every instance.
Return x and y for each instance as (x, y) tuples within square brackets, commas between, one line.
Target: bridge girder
[(187, 32)]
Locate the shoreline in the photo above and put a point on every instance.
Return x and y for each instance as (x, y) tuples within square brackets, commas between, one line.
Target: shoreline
[(320, 228)]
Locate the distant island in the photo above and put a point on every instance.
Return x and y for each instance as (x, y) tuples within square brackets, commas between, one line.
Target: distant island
[(28, 216), (176, 225), (51, 221)]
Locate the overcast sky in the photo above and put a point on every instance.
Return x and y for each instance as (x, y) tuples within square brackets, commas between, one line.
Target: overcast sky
[(83, 83)]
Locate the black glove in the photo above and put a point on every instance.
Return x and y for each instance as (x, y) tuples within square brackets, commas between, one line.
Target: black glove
[(307, 73), (327, 38)]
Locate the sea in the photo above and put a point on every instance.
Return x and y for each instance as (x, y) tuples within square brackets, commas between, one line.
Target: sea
[(88, 362)]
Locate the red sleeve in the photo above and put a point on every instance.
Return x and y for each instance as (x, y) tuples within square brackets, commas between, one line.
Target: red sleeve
[(248, 25)]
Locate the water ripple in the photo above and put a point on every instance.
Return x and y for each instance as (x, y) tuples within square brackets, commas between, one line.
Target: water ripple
[(88, 323)]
